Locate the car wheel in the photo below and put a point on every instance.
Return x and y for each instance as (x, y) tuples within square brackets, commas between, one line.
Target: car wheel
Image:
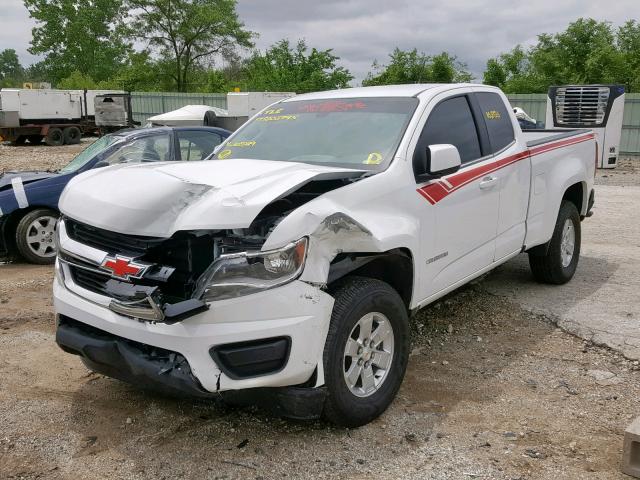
[(54, 137), (366, 351), (559, 263), (34, 236), (72, 135)]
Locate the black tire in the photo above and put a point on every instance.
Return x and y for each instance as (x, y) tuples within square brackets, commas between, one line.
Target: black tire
[(72, 135), (549, 268), (355, 298), (209, 119), (25, 229), (34, 139), (54, 137), (19, 140)]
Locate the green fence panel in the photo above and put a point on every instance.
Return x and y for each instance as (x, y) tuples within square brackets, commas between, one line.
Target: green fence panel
[(630, 142), (148, 104), (535, 104)]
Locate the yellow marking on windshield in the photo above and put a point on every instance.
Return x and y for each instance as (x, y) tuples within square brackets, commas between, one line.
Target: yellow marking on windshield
[(374, 158), (276, 118), (224, 154), (273, 111), (493, 115), (242, 144)]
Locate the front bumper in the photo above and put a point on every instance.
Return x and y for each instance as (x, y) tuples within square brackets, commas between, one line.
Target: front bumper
[(297, 311)]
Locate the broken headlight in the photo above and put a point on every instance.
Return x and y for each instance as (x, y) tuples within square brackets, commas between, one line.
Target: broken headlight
[(250, 272)]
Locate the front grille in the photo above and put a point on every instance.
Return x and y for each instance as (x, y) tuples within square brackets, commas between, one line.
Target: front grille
[(176, 262), (92, 281), (112, 242), (103, 284), (581, 105)]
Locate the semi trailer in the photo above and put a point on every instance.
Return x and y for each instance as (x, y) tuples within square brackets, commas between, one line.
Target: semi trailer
[(58, 117)]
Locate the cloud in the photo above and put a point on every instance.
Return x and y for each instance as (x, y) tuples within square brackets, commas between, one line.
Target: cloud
[(360, 31), (15, 29)]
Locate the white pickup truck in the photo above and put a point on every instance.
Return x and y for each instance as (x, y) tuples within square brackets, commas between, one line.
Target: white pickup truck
[(296, 258)]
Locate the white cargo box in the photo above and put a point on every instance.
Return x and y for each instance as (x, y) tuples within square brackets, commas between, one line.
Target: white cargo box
[(49, 104), (240, 104), (42, 104)]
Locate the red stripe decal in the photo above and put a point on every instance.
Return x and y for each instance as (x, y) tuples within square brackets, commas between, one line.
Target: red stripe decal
[(437, 190)]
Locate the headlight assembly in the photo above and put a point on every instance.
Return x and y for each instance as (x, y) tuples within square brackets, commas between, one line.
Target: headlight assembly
[(250, 272)]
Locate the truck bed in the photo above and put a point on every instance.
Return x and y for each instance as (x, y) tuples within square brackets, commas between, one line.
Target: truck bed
[(537, 137)]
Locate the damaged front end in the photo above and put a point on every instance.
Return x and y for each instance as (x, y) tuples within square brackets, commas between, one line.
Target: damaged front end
[(126, 360), (168, 279)]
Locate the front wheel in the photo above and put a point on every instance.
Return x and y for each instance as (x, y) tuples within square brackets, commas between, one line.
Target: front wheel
[(34, 236), (559, 263), (366, 351)]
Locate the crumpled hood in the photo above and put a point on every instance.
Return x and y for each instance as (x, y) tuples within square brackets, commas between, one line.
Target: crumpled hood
[(161, 199), (27, 177)]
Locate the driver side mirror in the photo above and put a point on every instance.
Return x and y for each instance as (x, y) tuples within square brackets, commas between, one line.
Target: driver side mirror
[(441, 160)]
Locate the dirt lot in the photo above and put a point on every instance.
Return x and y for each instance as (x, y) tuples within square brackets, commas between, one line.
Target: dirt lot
[(492, 391)]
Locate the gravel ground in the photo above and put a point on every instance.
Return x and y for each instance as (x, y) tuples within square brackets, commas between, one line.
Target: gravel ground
[(39, 157), (492, 391)]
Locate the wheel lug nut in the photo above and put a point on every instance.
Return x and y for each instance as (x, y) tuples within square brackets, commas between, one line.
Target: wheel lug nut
[(366, 365), (371, 344), (360, 350), (360, 361)]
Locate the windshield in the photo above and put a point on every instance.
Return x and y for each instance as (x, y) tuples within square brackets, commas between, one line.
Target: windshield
[(358, 133), (88, 153)]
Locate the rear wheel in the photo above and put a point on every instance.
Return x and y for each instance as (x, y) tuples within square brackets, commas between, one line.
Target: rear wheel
[(366, 351), (72, 135), (34, 236), (559, 263), (54, 137)]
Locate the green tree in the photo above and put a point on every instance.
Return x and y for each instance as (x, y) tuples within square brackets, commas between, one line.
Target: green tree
[(11, 72), (78, 35), (77, 81), (586, 52), (188, 33), (414, 67), (140, 73), (628, 43), (283, 68)]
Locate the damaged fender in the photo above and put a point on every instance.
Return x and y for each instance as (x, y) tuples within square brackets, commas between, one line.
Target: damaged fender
[(333, 229)]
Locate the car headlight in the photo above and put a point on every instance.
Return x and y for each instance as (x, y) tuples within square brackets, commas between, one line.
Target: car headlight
[(249, 272)]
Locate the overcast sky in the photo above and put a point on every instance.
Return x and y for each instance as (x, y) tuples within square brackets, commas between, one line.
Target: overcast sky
[(360, 31)]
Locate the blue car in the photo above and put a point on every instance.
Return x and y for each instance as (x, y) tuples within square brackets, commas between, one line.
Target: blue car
[(29, 200)]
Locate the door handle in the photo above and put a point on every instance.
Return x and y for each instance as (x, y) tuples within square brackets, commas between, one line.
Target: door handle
[(488, 182)]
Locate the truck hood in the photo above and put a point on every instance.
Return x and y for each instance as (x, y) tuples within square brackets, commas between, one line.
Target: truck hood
[(27, 177), (163, 198)]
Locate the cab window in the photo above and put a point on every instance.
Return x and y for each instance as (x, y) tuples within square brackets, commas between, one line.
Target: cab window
[(451, 122), (497, 119), (197, 145), (152, 148)]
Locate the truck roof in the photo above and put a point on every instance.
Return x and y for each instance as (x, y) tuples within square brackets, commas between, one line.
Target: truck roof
[(408, 90)]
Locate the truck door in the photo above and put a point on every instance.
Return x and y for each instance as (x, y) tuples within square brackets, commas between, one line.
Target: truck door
[(514, 173), (458, 236)]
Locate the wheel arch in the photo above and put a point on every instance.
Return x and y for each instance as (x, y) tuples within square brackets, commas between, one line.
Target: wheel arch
[(575, 194), (394, 267)]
